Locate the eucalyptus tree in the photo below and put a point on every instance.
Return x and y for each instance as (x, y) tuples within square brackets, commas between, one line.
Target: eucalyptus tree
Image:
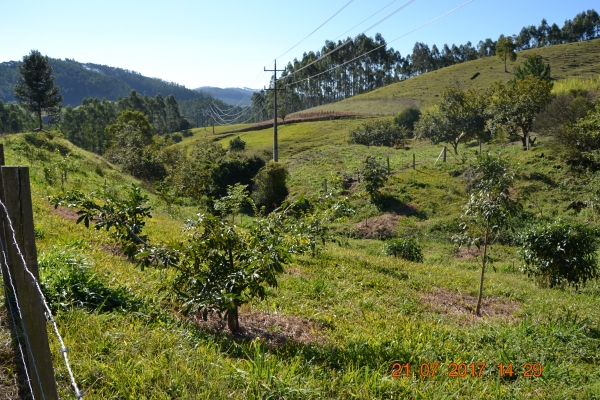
[(505, 49)]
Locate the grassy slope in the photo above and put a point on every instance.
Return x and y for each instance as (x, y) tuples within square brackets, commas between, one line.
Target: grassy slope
[(369, 305), (567, 60), (372, 309)]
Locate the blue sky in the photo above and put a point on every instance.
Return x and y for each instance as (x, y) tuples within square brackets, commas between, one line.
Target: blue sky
[(227, 43)]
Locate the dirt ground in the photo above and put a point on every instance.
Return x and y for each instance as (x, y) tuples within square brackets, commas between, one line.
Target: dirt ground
[(273, 328), (462, 306), (383, 226)]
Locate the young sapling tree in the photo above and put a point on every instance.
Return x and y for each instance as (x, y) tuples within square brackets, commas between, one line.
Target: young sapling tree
[(488, 208)]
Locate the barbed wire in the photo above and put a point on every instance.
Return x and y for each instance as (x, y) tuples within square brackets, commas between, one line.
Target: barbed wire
[(63, 348), (10, 310)]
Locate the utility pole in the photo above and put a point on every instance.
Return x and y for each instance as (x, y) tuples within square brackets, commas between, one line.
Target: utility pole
[(275, 145)]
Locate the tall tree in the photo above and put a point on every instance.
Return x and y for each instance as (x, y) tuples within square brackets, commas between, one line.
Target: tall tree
[(505, 49), (515, 106), (459, 116), (35, 90)]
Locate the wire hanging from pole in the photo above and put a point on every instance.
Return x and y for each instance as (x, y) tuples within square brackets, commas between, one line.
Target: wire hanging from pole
[(320, 26), (383, 45)]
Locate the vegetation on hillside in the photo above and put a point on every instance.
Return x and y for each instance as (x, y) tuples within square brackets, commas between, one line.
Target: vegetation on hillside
[(338, 271), (377, 66)]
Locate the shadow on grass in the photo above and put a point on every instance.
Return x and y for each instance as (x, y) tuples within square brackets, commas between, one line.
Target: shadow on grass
[(536, 176), (387, 203)]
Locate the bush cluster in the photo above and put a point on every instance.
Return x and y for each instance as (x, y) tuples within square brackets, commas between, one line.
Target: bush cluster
[(560, 253), (406, 248), (379, 133)]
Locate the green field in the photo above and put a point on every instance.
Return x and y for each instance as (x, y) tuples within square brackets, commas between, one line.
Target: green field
[(338, 322)]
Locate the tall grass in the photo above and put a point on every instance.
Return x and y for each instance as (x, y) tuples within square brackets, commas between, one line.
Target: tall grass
[(577, 83)]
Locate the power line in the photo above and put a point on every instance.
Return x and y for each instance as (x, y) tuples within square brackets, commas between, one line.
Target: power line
[(383, 45), (350, 40), (366, 19), (319, 27)]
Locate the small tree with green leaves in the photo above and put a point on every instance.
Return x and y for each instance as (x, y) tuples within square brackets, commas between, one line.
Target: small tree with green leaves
[(237, 197), (488, 208), (166, 192), (459, 116), (125, 216), (237, 144), (560, 253), (515, 106), (506, 49), (374, 175), (223, 266), (533, 65)]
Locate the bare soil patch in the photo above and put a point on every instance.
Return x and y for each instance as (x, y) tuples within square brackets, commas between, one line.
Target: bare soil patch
[(462, 306), (382, 226), (298, 272), (272, 328), (64, 212), (468, 252)]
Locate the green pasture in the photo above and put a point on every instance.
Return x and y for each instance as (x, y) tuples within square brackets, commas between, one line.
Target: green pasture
[(365, 311)]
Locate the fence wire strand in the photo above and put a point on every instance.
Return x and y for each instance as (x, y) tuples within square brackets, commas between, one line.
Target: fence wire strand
[(12, 316), (63, 349)]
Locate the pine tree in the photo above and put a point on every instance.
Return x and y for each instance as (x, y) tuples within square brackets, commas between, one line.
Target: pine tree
[(35, 90)]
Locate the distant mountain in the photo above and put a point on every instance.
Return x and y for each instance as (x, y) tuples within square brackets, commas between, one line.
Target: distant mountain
[(232, 96), (78, 80)]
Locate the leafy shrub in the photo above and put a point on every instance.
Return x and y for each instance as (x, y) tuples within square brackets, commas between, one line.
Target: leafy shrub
[(209, 170), (237, 144), (560, 253), (407, 118), (379, 133), (176, 137), (584, 137), (270, 188), (187, 133), (374, 174), (223, 266), (405, 248), (126, 216), (67, 281)]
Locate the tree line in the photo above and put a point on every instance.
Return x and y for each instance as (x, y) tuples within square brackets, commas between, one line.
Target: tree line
[(332, 81), (14, 119), (85, 125)]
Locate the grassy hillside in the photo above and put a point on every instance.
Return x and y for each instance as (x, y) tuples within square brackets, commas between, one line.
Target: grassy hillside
[(581, 60), (339, 321)]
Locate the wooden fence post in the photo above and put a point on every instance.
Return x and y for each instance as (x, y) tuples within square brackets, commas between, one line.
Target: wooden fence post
[(444, 157), (414, 162), (16, 196)]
